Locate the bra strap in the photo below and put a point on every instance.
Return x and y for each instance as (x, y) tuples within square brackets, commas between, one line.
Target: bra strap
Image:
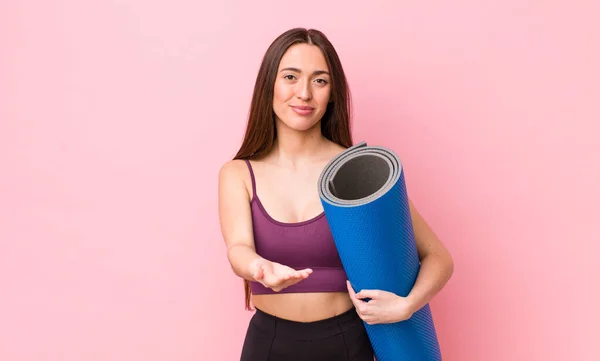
[(251, 177)]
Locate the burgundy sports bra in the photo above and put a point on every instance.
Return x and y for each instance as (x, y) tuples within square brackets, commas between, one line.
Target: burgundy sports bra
[(307, 244)]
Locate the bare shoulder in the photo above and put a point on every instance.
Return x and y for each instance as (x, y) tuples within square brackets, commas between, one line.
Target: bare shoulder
[(234, 174), (232, 169)]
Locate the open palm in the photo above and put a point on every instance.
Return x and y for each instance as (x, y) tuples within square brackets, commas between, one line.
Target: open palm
[(277, 276)]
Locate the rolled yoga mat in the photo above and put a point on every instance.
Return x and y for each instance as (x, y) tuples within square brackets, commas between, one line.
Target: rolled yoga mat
[(363, 192)]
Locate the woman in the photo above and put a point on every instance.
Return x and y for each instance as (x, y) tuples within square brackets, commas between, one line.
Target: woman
[(273, 224)]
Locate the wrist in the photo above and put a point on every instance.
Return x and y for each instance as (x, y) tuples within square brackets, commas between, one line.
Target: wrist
[(411, 303), (254, 265)]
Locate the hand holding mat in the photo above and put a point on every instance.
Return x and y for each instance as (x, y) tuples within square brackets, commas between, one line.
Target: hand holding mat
[(364, 196)]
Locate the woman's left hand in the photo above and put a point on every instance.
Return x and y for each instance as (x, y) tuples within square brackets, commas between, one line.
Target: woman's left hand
[(383, 306)]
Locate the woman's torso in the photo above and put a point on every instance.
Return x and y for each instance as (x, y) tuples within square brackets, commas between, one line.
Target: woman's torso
[(286, 208)]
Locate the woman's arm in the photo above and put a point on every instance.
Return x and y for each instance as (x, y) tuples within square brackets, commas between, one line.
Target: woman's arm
[(435, 271), (236, 227), (235, 219), (437, 265)]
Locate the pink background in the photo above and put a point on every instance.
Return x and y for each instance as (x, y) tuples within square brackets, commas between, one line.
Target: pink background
[(115, 117)]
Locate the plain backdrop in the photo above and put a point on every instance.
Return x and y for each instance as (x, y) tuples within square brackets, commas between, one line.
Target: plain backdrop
[(115, 117)]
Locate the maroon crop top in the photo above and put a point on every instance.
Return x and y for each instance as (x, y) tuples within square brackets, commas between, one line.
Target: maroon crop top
[(299, 245)]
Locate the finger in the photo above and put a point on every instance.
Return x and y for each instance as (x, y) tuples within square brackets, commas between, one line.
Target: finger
[(297, 275), (289, 279), (372, 294), (350, 289), (295, 280), (304, 273), (362, 307), (355, 301), (287, 274), (370, 320), (291, 283), (353, 294), (302, 276), (285, 284)]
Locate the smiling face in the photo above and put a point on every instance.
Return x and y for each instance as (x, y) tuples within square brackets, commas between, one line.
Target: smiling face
[(302, 87)]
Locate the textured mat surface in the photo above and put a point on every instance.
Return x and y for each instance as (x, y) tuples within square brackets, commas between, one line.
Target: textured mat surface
[(364, 195)]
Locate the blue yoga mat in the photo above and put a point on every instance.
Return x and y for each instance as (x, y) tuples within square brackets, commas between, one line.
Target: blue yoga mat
[(363, 192)]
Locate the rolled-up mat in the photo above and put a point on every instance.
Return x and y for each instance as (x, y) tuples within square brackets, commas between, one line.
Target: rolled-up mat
[(364, 196)]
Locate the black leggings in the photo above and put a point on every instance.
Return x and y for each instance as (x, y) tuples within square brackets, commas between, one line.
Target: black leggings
[(339, 338)]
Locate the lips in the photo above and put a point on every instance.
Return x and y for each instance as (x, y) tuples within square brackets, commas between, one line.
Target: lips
[(302, 109)]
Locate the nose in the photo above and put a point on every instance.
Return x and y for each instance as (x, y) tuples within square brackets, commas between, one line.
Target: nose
[(303, 90)]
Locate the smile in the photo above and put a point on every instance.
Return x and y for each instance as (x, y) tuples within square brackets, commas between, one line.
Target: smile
[(303, 110)]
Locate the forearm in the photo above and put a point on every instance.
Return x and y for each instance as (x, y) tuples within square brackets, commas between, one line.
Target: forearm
[(241, 258), (434, 273)]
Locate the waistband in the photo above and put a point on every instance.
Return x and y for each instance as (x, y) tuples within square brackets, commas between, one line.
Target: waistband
[(297, 330)]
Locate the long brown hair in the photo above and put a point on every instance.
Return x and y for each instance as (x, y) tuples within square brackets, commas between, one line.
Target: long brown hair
[(260, 131)]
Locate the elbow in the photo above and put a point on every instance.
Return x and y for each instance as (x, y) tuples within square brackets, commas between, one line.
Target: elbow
[(448, 264), (450, 268), (443, 260)]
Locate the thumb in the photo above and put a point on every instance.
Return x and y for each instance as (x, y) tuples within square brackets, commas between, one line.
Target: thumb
[(259, 272)]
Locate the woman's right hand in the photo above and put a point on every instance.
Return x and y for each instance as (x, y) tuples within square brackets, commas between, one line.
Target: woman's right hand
[(276, 276)]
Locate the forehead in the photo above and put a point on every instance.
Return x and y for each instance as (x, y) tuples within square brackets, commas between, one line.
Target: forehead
[(306, 57)]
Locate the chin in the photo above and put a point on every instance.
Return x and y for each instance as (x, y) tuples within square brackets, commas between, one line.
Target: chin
[(300, 123)]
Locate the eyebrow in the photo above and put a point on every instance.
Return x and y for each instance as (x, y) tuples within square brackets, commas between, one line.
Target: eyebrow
[(316, 72)]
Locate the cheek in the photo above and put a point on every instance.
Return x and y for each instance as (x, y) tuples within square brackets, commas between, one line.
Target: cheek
[(323, 96), (281, 92)]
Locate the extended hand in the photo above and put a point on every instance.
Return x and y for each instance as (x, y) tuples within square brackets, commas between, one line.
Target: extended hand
[(383, 306), (277, 276)]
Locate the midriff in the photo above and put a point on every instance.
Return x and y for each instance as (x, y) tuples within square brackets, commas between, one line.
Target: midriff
[(304, 307)]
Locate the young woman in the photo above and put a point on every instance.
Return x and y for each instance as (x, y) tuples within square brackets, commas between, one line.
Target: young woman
[(273, 224)]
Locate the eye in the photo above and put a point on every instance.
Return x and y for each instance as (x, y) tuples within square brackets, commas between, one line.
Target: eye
[(289, 77), (322, 81)]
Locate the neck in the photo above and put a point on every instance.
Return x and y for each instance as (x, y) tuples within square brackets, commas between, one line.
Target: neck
[(292, 146)]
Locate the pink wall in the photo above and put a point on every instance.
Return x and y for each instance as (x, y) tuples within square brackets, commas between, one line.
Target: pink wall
[(115, 117)]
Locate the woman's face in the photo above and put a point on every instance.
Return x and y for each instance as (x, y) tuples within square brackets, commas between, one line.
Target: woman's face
[(302, 87)]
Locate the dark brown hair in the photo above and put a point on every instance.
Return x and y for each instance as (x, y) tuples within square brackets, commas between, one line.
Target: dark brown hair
[(260, 131)]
